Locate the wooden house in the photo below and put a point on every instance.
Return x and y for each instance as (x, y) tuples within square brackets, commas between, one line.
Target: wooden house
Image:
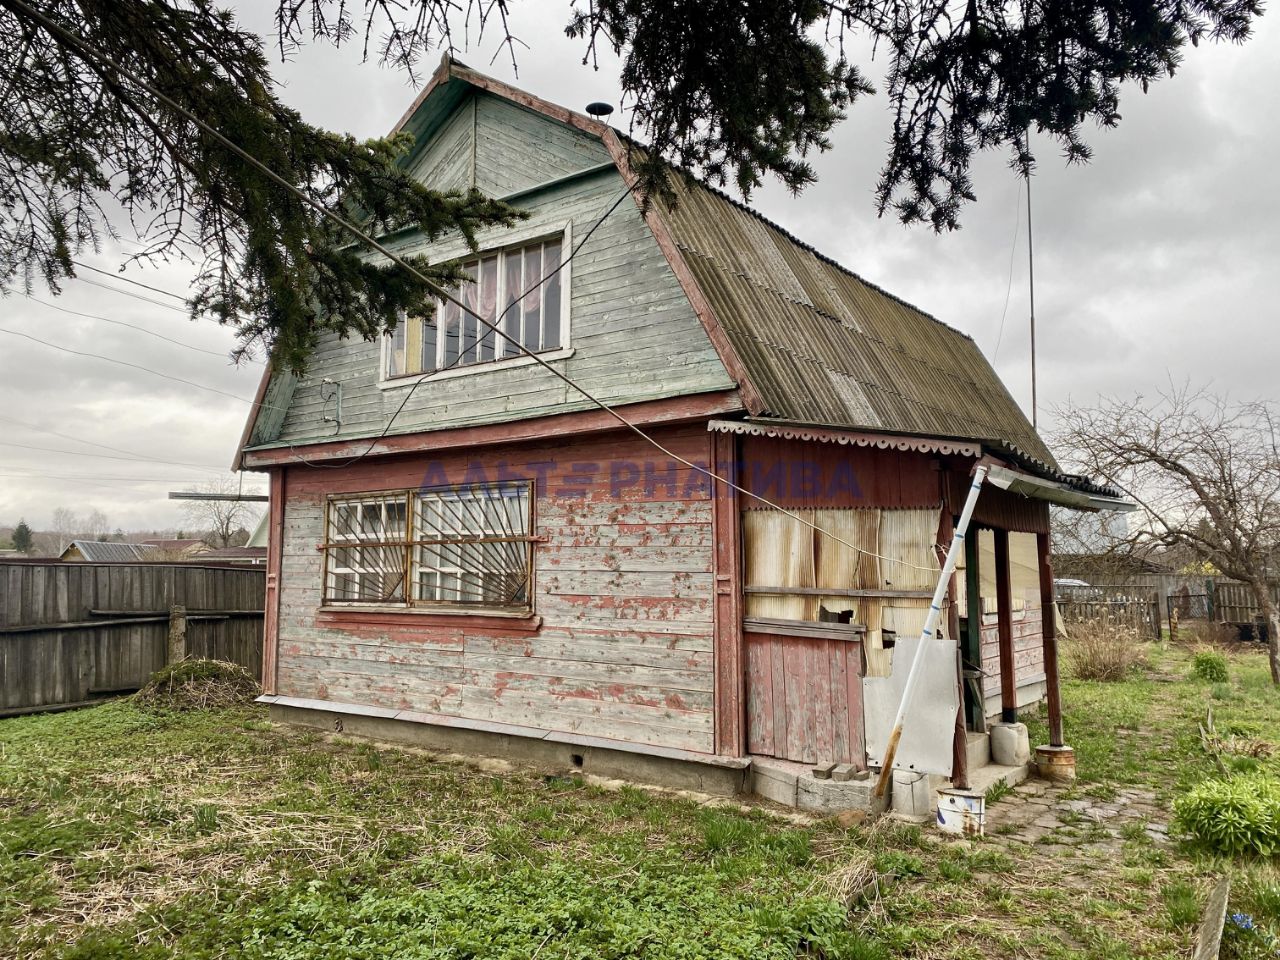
[(468, 551)]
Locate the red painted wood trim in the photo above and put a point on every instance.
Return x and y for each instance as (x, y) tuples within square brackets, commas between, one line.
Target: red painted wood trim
[(426, 620), (275, 561), (701, 306), (651, 412), (1004, 628), (730, 692), (1049, 635)]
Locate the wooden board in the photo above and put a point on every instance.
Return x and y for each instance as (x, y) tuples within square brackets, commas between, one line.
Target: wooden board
[(804, 699)]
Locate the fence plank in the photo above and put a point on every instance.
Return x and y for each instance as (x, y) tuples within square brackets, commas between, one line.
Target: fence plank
[(63, 650)]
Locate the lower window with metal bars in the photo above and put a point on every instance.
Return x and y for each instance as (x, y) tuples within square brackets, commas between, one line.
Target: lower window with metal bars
[(451, 547)]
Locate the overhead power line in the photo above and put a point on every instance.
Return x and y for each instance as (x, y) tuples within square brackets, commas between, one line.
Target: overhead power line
[(106, 456), (136, 283), (122, 323), (87, 51), (136, 296), (126, 363), (104, 446)]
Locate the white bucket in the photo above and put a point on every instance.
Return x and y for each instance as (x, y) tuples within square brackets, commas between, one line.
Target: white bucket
[(962, 812)]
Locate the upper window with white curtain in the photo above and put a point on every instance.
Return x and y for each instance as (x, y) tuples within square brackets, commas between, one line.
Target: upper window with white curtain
[(519, 290)]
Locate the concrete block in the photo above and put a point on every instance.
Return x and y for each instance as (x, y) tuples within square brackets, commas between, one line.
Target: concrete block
[(912, 797), (1010, 744), (832, 796), (823, 771), (773, 784), (844, 772)]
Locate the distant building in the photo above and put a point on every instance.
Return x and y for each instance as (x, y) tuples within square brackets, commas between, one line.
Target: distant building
[(179, 549), (250, 555), (101, 551)]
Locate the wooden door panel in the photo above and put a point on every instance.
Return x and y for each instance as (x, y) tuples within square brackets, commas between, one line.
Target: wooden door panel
[(804, 698)]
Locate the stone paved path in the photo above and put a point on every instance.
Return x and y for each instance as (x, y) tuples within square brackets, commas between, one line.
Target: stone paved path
[(1057, 814)]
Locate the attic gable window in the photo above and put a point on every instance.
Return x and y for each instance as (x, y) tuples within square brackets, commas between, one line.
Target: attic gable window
[(500, 289)]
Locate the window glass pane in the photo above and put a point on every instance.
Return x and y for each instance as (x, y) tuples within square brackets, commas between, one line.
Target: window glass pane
[(487, 307), (471, 549), (395, 350), (551, 296), (512, 263), (468, 324), (426, 355), (532, 305), (449, 318)]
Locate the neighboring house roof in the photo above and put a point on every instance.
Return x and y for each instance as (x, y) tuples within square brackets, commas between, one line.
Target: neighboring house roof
[(235, 553), (185, 545), (101, 551), (806, 339), (261, 533)]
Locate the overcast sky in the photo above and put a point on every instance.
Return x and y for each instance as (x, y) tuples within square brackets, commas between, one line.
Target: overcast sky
[(1156, 261)]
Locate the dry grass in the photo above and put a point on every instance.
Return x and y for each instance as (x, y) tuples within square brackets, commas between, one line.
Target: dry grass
[(1207, 633), (1103, 650), (199, 685)]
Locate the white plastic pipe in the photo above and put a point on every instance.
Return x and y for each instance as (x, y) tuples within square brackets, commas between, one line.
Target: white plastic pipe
[(930, 624)]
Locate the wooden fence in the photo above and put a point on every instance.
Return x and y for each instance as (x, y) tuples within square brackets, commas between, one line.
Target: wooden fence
[(1134, 605), (74, 632)]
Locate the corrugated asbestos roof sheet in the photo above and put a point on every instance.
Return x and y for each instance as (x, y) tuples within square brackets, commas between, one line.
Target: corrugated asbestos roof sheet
[(100, 551), (823, 346)]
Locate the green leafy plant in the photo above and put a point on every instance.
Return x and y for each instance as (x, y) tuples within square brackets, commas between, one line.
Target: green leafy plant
[(1181, 904), (1211, 666), (1236, 817)]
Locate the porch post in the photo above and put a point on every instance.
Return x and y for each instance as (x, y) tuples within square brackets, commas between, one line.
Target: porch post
[(1004, 600), (1049, 632), (1056, 760)]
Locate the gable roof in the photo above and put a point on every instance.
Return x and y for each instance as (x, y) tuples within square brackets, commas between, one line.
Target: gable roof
[(806, 339), (103, 551)]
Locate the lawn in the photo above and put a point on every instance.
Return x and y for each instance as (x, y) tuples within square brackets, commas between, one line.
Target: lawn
[(127, 833)]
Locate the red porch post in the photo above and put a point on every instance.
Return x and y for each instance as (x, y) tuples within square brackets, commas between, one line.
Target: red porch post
[(1004, 600), (1049, 632), (1056, 761), (271, 599)]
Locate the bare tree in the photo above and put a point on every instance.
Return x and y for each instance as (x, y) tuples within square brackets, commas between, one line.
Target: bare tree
[(96, 525), (1205, 472), (64, 527), (219, 519)]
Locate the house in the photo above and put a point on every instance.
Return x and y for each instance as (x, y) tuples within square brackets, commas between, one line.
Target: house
[(104, 551), (468, 552), (181, 548), (255, 556)]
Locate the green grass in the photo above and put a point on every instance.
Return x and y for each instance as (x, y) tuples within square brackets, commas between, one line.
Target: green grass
[(212, 834), (1145, 731)]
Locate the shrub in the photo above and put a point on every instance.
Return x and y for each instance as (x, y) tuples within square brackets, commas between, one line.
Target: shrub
[(1234, 817), (198, 685), (1103, 650), (1211, 666)]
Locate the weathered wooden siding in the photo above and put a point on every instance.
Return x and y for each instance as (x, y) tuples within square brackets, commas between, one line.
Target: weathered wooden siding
[(634, 335), (72, 664), (517, 148), (1028, 658), (623, 589), (447, 160)]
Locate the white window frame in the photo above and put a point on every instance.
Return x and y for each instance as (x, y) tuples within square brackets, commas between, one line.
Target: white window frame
[(524, 238)]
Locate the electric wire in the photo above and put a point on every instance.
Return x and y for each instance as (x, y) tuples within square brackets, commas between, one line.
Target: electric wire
[(126, 363), (136, 296), (1013, 250), (104, 456), (85, 50), (122, 323), (103, 446), (136, 283)]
